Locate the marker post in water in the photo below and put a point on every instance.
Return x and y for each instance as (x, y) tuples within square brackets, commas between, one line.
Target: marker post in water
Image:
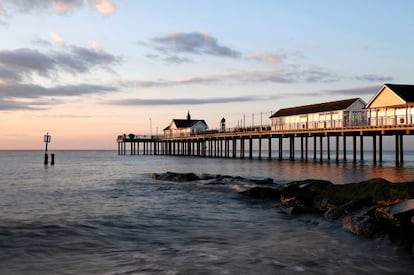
[(46, 139)]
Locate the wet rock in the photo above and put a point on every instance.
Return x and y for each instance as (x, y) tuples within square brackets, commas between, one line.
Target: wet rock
[(386, 195), (403, 208), (302, 194), (363, 223), (177, 177), (404, 213), (336, 212), (262, 192), (263, 181)]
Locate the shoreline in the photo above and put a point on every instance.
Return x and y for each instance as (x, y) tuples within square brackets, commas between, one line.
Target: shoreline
[(375, 208)]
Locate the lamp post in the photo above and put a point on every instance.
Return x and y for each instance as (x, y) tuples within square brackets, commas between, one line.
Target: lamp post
[(46, 140)]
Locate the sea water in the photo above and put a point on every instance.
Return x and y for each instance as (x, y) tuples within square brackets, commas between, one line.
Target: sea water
[(95, 212)]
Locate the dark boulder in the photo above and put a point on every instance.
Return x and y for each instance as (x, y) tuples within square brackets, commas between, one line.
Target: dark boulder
[(335, 212), (363, 223), (263, 181), (262, 192), (301, 195), (177, 177)]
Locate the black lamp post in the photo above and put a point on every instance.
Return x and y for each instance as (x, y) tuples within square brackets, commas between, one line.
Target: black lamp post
[(46, 139)]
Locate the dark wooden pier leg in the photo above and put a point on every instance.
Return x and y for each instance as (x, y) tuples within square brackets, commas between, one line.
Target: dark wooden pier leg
[(337, 149), (344, 145), (328, 147), (269, 145), (314, 148), (374, 149), (292, 148), (234, 147), (306, 148), (354, 148), (250, 148), (260, 147), (397, 148), (241, 148), (401, 149), (280, 148), (301, 148), (361, 147), (380, 148), (320, 148)]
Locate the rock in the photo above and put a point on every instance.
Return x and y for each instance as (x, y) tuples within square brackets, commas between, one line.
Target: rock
[(302, 194), (336, 212), (263, 181), (386, 195), (405, 207), (363, 223), (177, 177), (262, 192)]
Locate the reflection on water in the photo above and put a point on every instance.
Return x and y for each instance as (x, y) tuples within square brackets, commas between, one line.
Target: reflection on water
[(98, 213)]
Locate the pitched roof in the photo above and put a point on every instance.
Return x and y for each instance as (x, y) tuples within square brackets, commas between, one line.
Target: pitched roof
[(316, 108), (406, 92), (185, 123)]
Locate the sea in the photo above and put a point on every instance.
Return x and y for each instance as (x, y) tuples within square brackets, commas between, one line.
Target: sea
[(95, 212)]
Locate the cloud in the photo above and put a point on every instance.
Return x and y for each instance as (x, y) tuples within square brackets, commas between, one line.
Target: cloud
[(358, 91), (195, 43), (94, 45), (9, 105), (374, 78), (189, 101), (104, 7), (267, 58), (41, 42), (16, 96), (2, 11), (270, 76), (26, 62), (28, 91), (6, 74), (56, 38)]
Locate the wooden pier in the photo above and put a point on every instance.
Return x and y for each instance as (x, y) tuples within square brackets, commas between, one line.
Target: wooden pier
[(239, 143)]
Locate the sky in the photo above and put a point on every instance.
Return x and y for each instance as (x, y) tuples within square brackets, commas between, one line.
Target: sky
[(85, 71)]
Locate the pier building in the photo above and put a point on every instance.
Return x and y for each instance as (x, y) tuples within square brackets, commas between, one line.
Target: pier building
[(335, 114), (185, 127), (393, 104)]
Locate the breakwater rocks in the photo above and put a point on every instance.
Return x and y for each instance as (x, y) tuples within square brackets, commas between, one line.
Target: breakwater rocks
[(374, 208)]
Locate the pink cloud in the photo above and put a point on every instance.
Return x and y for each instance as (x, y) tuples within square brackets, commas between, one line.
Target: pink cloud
[(105, 7)]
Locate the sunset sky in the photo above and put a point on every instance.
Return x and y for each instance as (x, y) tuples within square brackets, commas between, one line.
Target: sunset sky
[(88, 70)]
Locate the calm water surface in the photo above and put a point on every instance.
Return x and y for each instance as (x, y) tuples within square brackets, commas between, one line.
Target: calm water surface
[(98, 213)]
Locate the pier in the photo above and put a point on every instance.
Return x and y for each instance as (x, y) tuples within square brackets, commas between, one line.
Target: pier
[(323, 131), (327, 144)]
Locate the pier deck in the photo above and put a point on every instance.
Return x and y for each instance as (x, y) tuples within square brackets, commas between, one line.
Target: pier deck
[(232, 144)]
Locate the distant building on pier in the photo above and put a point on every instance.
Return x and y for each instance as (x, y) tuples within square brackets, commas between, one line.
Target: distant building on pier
[(334, 114), (185, 127), (393, 104)]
